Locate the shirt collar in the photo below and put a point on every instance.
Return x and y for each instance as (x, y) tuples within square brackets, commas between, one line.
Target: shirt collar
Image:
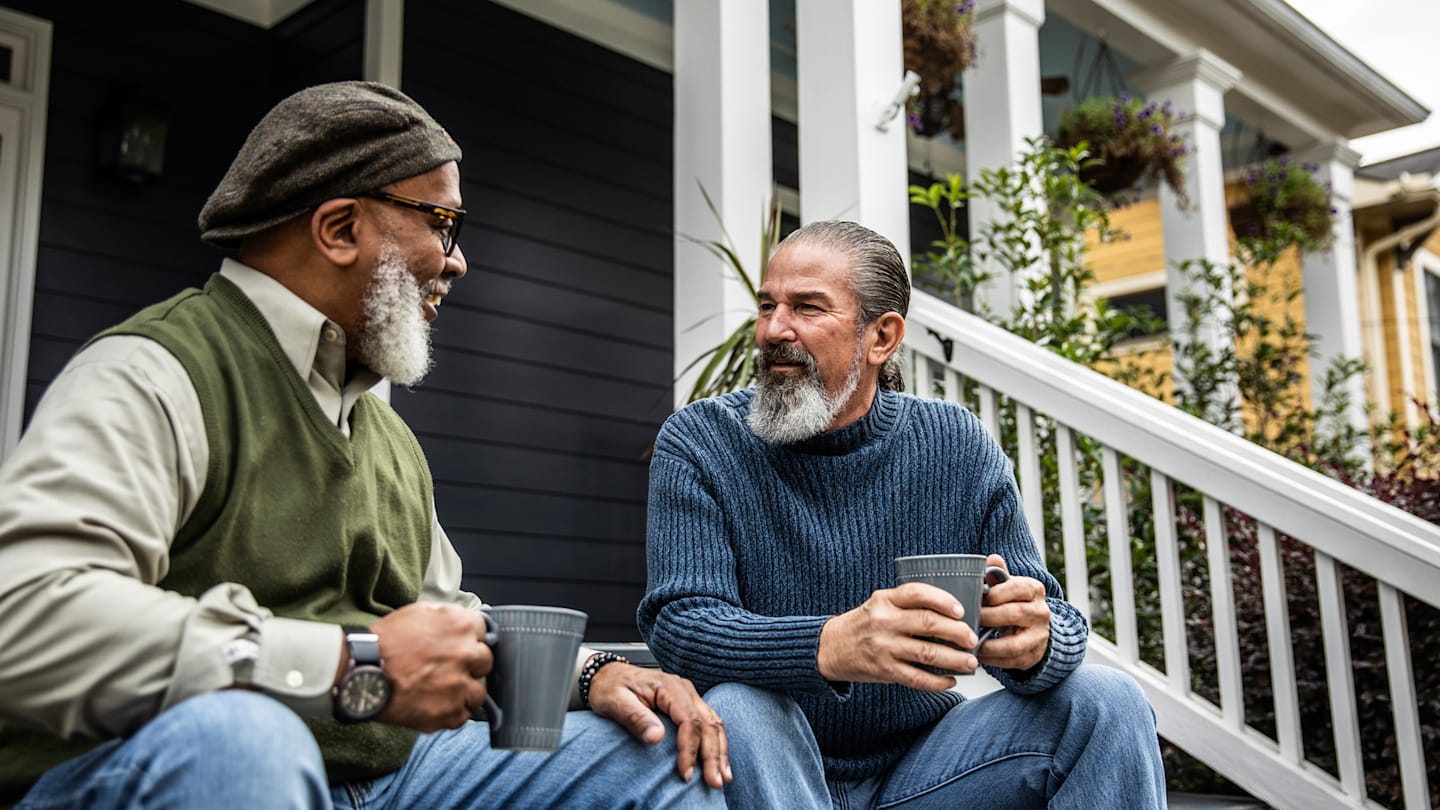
[(300, 329)]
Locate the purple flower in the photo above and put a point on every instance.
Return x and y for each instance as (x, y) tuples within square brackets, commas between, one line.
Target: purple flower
[(1156, 129)]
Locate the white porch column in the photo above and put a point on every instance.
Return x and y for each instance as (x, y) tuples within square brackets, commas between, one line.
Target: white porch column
[(1196, 85), (848, 69), (1002, 110), (1332, 311), (722, 142), (384, 50)]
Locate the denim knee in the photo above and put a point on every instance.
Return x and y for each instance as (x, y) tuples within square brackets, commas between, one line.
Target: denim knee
[(1112, 693), (245, 732)]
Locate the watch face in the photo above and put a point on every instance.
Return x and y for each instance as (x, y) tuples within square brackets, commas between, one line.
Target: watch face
[(364, 693)]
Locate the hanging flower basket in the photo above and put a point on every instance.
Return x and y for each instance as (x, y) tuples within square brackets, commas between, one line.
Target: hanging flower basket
[(1286, 207), (939, 44), (1128, 140)]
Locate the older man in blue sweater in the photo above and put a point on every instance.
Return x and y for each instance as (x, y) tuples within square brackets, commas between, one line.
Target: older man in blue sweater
[(775, 517)]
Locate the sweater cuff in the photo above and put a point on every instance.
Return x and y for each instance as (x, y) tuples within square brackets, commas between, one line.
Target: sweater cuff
[(1063, 653)]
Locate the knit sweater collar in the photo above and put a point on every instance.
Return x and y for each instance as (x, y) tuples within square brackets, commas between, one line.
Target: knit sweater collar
[(873, 427)]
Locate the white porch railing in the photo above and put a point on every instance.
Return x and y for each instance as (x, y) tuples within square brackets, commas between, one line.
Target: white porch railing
[(1116, 429)]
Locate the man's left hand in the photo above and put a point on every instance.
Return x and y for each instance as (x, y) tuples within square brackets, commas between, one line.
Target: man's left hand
[(631, 695), (1019, 604)]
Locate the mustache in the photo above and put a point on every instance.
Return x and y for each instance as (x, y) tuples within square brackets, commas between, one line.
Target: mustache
[(783, 352)]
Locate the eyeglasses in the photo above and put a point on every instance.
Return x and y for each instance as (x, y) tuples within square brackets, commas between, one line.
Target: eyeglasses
[(455, 217)]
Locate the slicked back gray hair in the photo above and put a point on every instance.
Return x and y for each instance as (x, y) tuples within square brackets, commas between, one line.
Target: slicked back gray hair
[(877, 276)]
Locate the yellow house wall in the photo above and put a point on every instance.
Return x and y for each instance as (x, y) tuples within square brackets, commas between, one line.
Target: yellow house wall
[(1143, 252)]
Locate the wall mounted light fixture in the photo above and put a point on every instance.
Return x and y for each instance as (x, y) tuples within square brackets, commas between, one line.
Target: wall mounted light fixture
[(132, 140)]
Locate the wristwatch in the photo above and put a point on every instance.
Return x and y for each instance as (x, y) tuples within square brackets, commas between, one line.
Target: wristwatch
[(363, 690)]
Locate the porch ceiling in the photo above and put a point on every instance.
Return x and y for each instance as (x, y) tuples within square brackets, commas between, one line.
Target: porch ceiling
[(1299, 85)]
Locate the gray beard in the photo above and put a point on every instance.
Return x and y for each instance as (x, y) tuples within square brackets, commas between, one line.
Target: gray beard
[(789, 409), (395, 338)]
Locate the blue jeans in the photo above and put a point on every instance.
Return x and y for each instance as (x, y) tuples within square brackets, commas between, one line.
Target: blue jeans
[(1088, 742), (236, 749)]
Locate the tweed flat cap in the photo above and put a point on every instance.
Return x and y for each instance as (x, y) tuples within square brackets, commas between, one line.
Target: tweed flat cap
[(328, 141)]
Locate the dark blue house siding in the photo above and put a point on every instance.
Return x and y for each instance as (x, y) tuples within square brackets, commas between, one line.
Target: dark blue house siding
[(108, 247), (554, 353)]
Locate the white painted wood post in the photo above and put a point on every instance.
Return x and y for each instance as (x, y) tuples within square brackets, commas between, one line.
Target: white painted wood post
[(1196, 86), (852, 157), (1332, 311), (722, 142), (1002, 110), (23, 117), (384, 55)]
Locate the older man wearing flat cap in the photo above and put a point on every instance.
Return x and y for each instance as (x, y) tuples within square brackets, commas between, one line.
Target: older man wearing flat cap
[(210, 523)]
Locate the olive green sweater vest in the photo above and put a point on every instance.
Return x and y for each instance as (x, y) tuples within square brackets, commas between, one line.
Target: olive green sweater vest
[(316, 525)]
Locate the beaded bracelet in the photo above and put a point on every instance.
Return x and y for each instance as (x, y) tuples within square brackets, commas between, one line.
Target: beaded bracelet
[(592, 666)]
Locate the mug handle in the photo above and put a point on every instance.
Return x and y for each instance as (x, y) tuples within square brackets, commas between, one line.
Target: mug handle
[(491, 711), (987, 633)]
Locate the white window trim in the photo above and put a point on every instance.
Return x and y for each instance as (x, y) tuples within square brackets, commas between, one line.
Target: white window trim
[(1426, 264), (23, 110)]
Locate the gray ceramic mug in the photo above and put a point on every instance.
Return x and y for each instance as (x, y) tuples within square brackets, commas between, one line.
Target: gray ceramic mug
[(963, 576), (528, 689)]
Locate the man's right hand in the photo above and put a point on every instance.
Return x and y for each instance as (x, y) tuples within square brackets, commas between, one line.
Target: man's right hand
[(435, 655), (884, 639)]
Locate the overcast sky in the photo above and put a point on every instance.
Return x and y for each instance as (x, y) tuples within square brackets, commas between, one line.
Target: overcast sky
[(1397, 38)]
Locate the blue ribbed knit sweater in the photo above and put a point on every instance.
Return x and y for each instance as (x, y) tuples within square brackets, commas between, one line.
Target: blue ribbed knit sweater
[(752, 547)]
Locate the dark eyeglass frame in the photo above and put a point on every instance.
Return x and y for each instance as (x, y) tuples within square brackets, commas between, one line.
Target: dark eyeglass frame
[(454, 216)]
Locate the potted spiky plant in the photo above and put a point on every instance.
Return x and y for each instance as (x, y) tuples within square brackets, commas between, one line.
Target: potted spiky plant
[(730, 365)]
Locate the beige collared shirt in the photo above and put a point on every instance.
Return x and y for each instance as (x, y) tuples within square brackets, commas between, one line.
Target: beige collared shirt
[(108, 471)]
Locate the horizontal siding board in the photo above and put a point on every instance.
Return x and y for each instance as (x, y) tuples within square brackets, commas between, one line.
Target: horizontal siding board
[(491, 419), (540, 471), (544, 220), (566, 266), (524, 172), (568, 559), (473, 373), (503, 510), (560, 349), (591, 315)]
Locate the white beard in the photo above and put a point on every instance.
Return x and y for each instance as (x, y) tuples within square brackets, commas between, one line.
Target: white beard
[(789, 409), (395, 338)]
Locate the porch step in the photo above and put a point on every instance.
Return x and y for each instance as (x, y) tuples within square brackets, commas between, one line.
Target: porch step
[(1197, 801)]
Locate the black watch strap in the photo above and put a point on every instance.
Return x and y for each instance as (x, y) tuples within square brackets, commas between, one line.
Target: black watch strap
[(364, 646)]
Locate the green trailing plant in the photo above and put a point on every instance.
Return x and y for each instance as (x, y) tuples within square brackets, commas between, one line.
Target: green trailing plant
[(730, 365), (1129, 141), (1285, 207)]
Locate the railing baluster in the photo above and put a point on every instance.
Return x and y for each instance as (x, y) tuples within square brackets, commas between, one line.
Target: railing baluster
[(989, 410), (1339, 675), (919, 372), (1172, 601), (1282, 656), (1072, 523), (1029, 463), (1122, 580), (954, 391), (1413, 782), (1222, 611)]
